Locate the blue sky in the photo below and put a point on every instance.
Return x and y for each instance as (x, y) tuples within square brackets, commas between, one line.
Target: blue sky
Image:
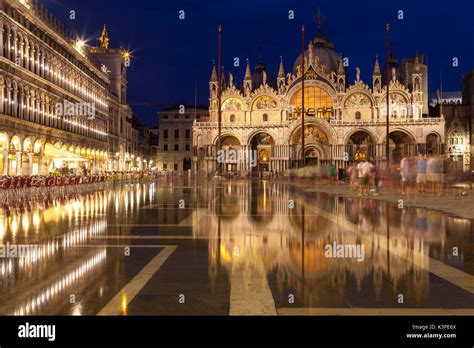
[(171, 56)]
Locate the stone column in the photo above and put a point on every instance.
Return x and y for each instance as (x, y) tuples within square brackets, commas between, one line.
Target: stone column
[(5, 162), (42, 66), (30, 163), (2, 44), (26, 56), (31, 62), (2, 97), (40, 164), (18, 163), (9, 45)]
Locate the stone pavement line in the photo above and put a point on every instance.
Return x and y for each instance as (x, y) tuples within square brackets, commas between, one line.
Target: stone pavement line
[(459, 278), (375, 311), (249, 291), (114, 307)]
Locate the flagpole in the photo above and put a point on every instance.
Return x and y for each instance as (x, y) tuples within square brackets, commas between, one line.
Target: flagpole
[(441, 95), (219, 93), (387, 74), (302, 96)]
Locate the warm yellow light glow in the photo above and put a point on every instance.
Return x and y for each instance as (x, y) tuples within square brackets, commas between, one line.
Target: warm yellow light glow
[(124, 304), (80, 45), (317, 102)]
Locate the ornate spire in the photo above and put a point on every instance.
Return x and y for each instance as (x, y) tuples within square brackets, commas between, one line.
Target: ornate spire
[(214, 73), (281, 71), (248, 76), (104, 38), (377, 66), (340, 69), (320, 19)]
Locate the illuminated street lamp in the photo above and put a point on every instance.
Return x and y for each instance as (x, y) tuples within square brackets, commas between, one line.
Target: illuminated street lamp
[(79, 45)]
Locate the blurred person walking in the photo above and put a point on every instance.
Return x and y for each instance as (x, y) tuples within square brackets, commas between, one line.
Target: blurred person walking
[(331, 172), (421, 172), (373, 179), (353, 174), (365, 169), (404, 173)]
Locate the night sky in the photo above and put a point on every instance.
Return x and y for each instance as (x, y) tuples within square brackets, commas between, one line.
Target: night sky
[(171, 56)]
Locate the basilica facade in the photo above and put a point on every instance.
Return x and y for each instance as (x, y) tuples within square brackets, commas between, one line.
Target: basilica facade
[(344, 121)]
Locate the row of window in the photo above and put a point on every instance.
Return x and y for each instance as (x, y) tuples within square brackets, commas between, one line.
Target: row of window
[(322, 114), (187, 133), (175, 166), (176, 117), (37, 32), (456, 140), (264, 118), (38, 59), (176, 147), (29, 104)]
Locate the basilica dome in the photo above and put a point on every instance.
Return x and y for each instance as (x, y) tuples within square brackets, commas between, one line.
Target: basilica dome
[(324, 50)]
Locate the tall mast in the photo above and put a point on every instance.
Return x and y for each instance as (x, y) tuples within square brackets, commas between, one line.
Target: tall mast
[(219, 93), (302, 96), (387, 74)]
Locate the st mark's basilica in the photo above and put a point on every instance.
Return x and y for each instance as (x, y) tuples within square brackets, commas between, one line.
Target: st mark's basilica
[(345, 120)]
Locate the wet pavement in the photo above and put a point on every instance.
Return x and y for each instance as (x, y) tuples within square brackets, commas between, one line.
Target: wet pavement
[(241, 248)]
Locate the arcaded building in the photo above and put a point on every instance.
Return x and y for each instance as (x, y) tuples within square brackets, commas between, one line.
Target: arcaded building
[(344, 120), (43, 66)]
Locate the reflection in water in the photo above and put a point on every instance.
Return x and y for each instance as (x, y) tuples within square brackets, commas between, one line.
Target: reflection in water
[(66, 258), (261, 226), (34, 302), (266, 235)]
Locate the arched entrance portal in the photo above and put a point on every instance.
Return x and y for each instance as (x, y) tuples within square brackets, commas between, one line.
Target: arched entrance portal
[(432, 144), (361, 146), (312, 156), (316, 145), (261, 144), (401, 145), (229, 156)]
